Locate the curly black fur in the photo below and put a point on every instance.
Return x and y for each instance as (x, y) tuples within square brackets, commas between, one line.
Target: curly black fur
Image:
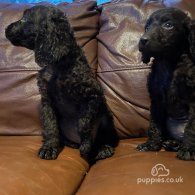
[(170, 39), (74, 109)]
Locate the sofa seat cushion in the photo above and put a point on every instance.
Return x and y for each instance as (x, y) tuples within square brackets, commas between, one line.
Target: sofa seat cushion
[(23, 173), (130, 172)]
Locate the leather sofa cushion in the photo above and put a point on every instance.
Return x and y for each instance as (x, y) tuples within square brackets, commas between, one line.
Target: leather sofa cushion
[(120, 70), (128, 171), (22, 172), (19, 96)]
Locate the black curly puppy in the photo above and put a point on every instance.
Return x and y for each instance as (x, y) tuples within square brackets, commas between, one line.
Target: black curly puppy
[(74, 109), (169, 39)]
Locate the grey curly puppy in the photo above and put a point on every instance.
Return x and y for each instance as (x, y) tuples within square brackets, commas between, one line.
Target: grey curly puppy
[(74, 109), (170, 39)]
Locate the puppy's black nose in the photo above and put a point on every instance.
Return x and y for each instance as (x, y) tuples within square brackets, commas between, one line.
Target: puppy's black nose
[(144, 40)]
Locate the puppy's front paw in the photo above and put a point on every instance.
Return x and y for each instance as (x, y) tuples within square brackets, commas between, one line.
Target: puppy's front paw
[(171, 145), (105, 152), (85, 148), (186, 153), (48, 153), (149, 146)]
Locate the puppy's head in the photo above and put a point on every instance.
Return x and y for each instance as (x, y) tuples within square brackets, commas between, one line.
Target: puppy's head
[(34, 21), (166, 34)]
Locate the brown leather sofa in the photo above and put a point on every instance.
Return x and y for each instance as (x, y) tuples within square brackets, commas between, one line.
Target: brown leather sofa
[(109, 35)]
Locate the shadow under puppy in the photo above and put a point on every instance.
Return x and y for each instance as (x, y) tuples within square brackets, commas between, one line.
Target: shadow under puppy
[(169, 39), (74, 110)]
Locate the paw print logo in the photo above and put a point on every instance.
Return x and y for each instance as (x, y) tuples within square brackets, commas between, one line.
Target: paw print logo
[(160, 170)]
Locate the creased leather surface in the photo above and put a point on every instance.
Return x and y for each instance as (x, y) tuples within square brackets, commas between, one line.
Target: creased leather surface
[(123, 78), (119, 174), (20, 99), (120, 70), (23, 173)]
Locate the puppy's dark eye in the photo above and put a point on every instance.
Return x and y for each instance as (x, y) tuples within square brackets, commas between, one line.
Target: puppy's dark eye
[(168, 26)]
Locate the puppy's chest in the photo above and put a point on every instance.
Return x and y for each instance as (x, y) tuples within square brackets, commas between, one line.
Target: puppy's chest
[(161, 89), (51, 83), (159, 81), (62, 100)]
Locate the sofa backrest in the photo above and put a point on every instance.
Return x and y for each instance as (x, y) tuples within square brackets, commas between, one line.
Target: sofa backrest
[(19, 96), (118, 26)]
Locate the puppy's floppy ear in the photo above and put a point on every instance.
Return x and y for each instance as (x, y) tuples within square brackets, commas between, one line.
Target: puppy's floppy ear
[(191, 39), (54, 39)]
